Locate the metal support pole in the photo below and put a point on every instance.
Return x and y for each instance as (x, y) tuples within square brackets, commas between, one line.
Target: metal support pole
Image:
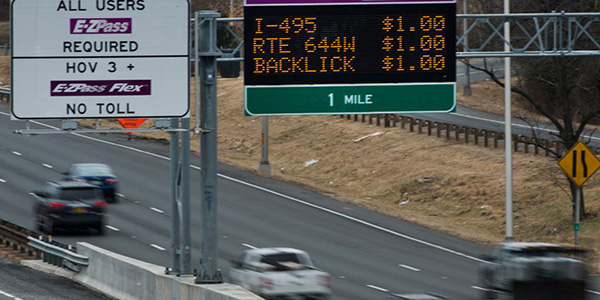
[(508, 130), (577, 213), (186, 235), (467, 89), (174, 153), (207, 37), (264, 166), (196, 76)]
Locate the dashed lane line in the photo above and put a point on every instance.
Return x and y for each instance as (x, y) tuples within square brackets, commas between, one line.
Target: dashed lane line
[(157, 247), (410, 268), (249, 246), (377, 288), (112, 228), (157, 210)]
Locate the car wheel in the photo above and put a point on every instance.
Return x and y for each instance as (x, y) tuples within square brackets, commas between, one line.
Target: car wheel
[(99, 228)]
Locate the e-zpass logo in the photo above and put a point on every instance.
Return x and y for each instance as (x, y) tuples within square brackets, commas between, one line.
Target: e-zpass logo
[(100, 26), (126, 87)]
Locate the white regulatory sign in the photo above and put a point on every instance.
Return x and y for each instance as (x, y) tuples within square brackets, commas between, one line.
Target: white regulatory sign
[(77, 59)]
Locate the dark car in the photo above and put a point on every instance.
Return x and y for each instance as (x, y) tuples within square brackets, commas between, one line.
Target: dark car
[(100, 175), (68, 205)]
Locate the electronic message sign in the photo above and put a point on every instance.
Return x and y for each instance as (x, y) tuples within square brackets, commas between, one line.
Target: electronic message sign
[(99, 58), (349, 57)]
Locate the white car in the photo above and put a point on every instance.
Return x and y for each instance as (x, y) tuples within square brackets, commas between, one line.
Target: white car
[(274, 273)]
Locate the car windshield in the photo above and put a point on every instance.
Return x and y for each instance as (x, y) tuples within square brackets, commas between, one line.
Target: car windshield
[(93, 170), (79, 194)]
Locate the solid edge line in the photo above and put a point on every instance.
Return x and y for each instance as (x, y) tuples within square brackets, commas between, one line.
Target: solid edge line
[(286, 197)]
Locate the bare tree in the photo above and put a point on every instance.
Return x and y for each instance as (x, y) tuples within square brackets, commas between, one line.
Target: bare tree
[(565, 90)]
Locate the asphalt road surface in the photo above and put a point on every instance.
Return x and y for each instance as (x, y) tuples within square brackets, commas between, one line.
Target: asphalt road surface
[(22, 283)]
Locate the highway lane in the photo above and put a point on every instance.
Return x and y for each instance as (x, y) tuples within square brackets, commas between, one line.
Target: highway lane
[(365, 252), (22, 283)]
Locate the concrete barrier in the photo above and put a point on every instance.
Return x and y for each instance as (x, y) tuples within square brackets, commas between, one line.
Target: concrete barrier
[(126, 278)]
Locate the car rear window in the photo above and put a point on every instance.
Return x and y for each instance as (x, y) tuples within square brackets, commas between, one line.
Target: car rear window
[(94, 170), (273, 259), (79, 194)]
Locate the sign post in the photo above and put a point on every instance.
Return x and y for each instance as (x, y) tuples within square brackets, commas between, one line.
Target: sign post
[(323, 57), (99, 59), (579, 164)]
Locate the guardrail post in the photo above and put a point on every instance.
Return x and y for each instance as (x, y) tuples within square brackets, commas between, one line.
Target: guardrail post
[(516, 143), (402, 122), (526, 144), (370, 119), (476, 136), (496, 139), (438, 131), (355, 118), (486, 136), (386, 120), (395, 120), (362, 118), (457, 130), (428, 124), (378, 120), (447, 131), (411, 123), (536, 149), (547, 147), (467, 131), (419, 126)]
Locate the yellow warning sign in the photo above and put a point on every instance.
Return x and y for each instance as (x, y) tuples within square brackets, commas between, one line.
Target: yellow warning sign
[(579, 163)]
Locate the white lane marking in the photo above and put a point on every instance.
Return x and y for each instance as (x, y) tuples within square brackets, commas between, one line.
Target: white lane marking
[(120, 195), (377, 288), (2, 180), (47, 166), (6, 294), (157, 247), (281, 195), (249, 246), (157, 210), (593, 292), (479, 288), (112, 228), (16, 153), (410, 268)]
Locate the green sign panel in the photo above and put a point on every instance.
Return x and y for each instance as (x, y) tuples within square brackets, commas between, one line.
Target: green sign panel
[(576, 227), (350, 99)]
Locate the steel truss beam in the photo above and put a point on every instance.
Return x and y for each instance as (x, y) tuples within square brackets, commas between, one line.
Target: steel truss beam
[(532, 35)]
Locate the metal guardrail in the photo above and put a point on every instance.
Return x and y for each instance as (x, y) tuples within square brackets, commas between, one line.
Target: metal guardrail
[(4, 93), (12, 235), (58, 255), (464, 134)]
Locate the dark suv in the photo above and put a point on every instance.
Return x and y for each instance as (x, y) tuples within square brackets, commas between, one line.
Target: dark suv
[(68, 204)]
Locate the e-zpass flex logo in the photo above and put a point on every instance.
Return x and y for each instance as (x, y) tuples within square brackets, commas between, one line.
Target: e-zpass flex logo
[(100, 25), (126, 87)]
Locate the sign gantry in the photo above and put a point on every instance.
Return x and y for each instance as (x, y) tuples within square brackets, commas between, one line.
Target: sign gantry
[(99, 59)]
